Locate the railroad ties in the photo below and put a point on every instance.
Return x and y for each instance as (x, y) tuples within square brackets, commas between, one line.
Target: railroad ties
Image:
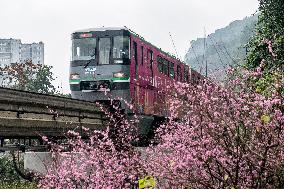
[(32, 115)]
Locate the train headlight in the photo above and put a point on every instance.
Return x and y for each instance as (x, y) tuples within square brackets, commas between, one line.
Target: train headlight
[(74, 76), (119, 75), (118, 61)]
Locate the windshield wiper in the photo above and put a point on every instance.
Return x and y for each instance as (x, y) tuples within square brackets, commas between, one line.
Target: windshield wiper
[(92, 56)]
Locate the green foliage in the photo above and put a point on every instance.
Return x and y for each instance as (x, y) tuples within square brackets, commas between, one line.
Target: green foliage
[(65, 95), (30, 77), (7, 171), (270, 29), (18, 185), (42, 81), (266, 48), (9, 178), (267, 82)]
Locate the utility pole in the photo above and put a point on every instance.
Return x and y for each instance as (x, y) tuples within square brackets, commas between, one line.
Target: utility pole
[(204, 54)]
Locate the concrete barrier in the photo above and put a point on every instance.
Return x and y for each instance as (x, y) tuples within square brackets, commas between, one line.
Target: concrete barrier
[(37, 161)]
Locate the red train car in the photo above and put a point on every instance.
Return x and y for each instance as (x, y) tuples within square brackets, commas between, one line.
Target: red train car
[(151, 71), (119, 62)]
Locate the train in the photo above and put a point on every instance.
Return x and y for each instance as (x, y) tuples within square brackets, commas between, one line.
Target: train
[(118, 63)]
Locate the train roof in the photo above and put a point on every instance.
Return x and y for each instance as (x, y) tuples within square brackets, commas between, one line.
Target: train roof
[(132, 32), (102, 29)]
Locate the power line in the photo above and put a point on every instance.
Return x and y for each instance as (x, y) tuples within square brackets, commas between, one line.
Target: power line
[(221, 50), (195, 55), (204, 52), (174, 45), (216, 51), (227, 52)]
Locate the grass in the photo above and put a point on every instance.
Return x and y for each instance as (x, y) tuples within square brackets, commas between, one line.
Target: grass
[(18, 185)]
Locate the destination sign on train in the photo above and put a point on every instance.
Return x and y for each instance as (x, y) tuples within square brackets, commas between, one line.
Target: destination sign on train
[(86, 35)]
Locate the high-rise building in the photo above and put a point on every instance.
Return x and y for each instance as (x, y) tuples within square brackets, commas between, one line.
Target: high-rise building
[(33, 52), (10, 51), (13, 51)]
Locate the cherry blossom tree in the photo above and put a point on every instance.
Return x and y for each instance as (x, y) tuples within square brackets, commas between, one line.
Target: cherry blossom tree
[(222, 137), (28, 76), (95, 159), (216, 136)]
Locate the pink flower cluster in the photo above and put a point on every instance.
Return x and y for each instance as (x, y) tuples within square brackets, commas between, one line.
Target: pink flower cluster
[(214, 137), (221, 138), (269, 43), (96, 159)]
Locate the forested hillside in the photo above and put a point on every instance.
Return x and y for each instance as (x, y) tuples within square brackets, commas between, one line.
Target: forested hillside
[(224, 47)]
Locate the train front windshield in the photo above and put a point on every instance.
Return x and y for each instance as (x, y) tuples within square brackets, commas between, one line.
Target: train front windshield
[(84, 49), (107, 50), (120, 47)]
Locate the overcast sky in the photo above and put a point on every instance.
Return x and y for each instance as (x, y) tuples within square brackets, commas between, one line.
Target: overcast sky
[(53, 21)]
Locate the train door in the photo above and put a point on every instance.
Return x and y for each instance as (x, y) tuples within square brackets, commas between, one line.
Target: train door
[(136, 86), (149, 107), (135, 59), (104, 50)]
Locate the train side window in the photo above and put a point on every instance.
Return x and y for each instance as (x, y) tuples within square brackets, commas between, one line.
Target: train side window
[(194, 79), (172, 70), (160, 64), (147, 60), (135, 52), (142, 55), (120, 47), (186, 72), (166, 67), (151, 59), (104, 50), (179, 73), (182, 73)]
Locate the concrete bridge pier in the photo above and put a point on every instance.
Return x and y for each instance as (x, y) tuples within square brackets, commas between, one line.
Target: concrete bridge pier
[(1, 142), (37, 161)]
